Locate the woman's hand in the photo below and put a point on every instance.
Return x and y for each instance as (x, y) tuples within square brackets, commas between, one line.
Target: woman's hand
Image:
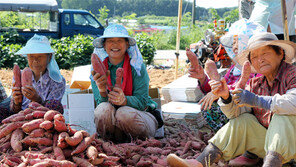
[(219, 88), (30, 93), (101, 80), (197, 73), (17, 95), (117, 97), (208, 100)]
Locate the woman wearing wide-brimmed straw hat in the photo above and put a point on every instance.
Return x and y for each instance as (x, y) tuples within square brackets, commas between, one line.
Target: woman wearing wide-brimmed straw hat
[(263, 117), (125, 111)]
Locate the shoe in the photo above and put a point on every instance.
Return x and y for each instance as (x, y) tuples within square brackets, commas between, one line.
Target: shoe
[(243, 161), (175, 161), (272, 159)]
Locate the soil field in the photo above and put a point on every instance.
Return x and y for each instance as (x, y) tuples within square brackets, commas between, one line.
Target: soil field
[(158, 77)]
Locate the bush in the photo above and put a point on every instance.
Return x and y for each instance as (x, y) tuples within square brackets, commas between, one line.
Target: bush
[(72, 52), (146, 47)]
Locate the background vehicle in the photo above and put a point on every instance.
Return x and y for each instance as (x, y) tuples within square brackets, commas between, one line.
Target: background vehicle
[(44, 18)]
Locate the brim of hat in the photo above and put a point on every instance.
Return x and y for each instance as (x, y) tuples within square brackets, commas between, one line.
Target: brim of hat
[(288, 46), (35, 48), (98, 42)]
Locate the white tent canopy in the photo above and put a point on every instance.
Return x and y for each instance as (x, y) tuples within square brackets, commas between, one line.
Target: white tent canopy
[(29, 5)]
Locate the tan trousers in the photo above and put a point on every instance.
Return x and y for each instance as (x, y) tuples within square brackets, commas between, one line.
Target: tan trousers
[(245, 133), (112, 123)]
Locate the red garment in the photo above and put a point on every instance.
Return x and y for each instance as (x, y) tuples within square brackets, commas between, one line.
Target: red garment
[(127, 83), (285, 80)]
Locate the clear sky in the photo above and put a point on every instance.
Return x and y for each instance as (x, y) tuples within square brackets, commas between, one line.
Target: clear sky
[(216, 3)]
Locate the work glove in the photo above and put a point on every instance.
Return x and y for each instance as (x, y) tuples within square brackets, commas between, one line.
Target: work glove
[(246, 98)]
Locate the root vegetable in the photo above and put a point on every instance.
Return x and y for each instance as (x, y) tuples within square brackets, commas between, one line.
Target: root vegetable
[(61, 140), (10, 127), (27, 77), (17, 76), (46, 125), (16, 137), (60, 126), (192, 58), (58, 153), (97, 161), (84, 144), (42, 108), (12, 118), (75, 139), (92, 152), (142, 163), (119, 75), (38, 114), (246, 72), (5, 146), (211, 70), (82, 162), (187, 147), (30, 126), (34, 105), (39, 140), (49, 115), (98, 65)]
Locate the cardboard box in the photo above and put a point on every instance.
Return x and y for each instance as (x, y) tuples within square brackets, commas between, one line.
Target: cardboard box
[(80, 77), (81, 110)]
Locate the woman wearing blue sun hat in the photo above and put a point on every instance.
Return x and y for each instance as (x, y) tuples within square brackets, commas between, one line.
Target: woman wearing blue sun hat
[(48, 85), (126, 111)]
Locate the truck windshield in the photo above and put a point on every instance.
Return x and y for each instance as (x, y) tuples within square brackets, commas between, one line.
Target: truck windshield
[(82, 19)]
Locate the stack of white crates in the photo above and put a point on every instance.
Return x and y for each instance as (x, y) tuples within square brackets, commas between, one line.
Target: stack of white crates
[(181, 99)]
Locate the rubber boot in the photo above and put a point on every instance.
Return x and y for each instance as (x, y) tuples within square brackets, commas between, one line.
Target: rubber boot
[(272, 159), (211, 154), (247, 159)]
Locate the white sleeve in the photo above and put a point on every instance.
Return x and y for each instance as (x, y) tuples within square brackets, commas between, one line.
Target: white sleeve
[(284, 104)]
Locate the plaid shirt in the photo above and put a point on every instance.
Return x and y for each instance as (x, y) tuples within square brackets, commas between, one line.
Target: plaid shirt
[(2, 93), (285, 80)]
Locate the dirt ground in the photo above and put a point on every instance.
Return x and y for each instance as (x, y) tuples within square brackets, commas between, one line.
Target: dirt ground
[(158, 77)]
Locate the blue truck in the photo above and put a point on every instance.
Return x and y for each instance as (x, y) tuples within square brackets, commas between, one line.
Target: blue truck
[(44, 18)]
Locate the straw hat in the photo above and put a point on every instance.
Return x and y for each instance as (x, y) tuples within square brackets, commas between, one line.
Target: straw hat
[(266, 38), (114, 31)]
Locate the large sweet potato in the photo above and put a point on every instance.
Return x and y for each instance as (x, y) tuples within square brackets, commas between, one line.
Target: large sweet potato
[(211, 70), (27, 77), (246, 72), (17, 76), (16, 137)]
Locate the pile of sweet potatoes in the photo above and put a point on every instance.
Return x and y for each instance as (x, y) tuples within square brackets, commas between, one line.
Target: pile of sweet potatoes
[(38, 136)]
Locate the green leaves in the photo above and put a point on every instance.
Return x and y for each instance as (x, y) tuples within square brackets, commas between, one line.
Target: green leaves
[(146, 47)]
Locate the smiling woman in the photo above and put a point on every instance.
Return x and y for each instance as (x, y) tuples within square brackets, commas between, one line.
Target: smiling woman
[(124, 108)]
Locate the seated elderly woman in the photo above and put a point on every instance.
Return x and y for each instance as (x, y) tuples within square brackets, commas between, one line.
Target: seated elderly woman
[(48, 85), (262, 117), (122, 112)]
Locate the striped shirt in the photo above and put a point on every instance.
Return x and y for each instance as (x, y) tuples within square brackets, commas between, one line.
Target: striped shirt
[(284, 80)]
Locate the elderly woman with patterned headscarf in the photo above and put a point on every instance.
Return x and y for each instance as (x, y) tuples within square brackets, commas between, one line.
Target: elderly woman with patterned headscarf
[(122, 112)]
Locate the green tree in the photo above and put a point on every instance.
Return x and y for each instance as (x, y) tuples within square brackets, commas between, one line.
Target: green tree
[(214, 14), (103, 15), (76, 4), (231, 16)]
